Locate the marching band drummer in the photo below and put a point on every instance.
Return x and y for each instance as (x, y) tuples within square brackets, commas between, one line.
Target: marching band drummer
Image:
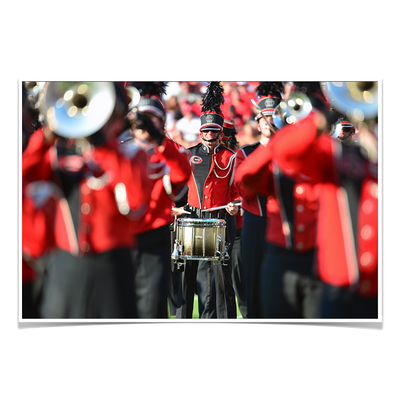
[(254, 203), (91, 274), (169, 170), (210, 186)]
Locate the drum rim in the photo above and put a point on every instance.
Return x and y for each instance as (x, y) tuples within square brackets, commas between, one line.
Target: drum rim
[(200, 222), (206, 258)]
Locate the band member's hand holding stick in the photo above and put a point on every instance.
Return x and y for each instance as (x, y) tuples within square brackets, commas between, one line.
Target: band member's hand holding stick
[(232, 208), (177, 211)]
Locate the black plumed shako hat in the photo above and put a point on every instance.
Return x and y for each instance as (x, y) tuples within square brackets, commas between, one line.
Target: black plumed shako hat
[(151, 97), (270, 95), (211, 117)]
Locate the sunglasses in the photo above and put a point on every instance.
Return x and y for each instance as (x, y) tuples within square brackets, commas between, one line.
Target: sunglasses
[(347, 128)]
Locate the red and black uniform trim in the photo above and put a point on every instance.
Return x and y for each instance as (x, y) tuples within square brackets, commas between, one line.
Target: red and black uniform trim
[(211, 181)]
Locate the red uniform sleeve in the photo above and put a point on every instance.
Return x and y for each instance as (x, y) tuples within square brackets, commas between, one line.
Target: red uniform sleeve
[(139, 185), (36, 161), (240, 157), (235, 195), (177, 160), (252, 173), (130, 171), (299, 148)]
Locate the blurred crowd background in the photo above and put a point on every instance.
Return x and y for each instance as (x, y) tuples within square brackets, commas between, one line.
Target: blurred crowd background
[(183, 101)]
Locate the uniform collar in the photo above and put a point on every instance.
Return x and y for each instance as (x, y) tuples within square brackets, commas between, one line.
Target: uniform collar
[(207, 150)]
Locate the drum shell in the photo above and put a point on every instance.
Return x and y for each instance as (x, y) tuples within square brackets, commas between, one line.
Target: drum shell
[(201, 239)]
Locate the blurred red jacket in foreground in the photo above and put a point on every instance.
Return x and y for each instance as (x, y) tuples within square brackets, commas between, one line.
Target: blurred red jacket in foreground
[(347, 230), (102, 226)]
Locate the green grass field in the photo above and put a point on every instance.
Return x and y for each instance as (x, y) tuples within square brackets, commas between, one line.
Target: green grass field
[(196, 310)]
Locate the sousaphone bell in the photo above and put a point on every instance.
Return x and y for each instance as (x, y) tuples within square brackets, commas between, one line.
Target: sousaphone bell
[(77, 109), (358, 101)]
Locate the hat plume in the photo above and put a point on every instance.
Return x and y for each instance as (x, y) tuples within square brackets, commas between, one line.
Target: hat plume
[(213, 98)]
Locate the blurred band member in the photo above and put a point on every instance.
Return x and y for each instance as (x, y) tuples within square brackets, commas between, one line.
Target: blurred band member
[(343, 130), (289, 288), (346, 177), (236, 221), (169, 170), (254, 202), (91, 273)]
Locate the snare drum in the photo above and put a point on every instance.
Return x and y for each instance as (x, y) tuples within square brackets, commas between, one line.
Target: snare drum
[(201, 239)]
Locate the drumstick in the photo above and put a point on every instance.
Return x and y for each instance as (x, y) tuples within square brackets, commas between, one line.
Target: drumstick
[(221, 207), (180, 211)]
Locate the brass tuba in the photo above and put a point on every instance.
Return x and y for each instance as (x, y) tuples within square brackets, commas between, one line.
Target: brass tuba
[(358, 101), (77, 109)]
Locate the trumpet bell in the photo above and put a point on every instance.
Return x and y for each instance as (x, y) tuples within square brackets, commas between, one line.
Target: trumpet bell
[(357, 100), (77, 109), (295, 108)]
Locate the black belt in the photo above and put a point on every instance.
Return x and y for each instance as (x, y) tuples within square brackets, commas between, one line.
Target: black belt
[(198, 213)]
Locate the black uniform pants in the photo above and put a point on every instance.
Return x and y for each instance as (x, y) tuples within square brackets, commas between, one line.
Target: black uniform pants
[(238, 274), (341, 302), (289, 288), (153, 260), (213, 282), (92, 286), (254, 247)]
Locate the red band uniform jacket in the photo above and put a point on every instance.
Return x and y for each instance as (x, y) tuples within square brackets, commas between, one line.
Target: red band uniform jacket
[(252, 201), (169, 171), (347, 184), (210, 184), (291, 200), (114, 189)]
